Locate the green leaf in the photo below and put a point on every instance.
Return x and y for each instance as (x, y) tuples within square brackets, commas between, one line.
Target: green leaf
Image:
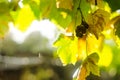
[(85, 8), (4, 19), (94, 58), (4, 7), (34, 5), (91, 62), (89, 66), (59, 16), (35, 8), (47, 9), (67, 49), (3, 28)]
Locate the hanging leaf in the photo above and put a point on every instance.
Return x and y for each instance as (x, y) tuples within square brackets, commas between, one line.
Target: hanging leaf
[(46, 7), (67, 49), (93, 44), (97, 21), (34, 5), (58, 16), (85, 8), (71, 26), (106, 52), (89, 66), (89, 45), (24, 18)]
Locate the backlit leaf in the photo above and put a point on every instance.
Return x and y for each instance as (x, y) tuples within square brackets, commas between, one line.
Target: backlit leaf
[(93, 44), (48, 9), (106, 52), (85, 8), (89, 66), (34, 5), (71, 26), (24, 18), (89, 45), (67, 49), (97, 21)]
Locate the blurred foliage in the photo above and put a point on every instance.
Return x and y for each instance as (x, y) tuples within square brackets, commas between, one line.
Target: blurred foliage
[(114, 4), (86, 25)]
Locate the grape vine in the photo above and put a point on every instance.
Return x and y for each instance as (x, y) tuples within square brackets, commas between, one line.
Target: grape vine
[(89, 22)]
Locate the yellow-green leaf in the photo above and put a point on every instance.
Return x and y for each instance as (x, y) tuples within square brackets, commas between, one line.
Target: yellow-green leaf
[(4, 20), (67, 49), (93, 44), (3, 28), (24, 18), (106, 52), (89, 66)]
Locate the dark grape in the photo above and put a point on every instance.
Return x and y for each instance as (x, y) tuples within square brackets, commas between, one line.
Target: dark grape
[(81, 29), (85, 24)]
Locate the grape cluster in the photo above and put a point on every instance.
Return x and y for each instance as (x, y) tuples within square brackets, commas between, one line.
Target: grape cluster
[(81, 29)]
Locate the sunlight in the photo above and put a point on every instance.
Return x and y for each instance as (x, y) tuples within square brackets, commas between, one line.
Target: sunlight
[(118, 10), (17, 35), (45, 27), (20, 4), (9, 0)]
